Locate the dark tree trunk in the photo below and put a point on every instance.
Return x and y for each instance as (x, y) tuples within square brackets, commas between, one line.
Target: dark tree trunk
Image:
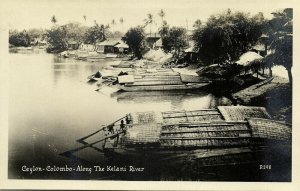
[(290, 75), (270, 72)]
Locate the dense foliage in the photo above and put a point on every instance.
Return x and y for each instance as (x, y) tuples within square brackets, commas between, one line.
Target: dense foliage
[(135, 38), (280, 39), (19, 38), (94, 33), (226, 36), (174, 38), (57, 39)]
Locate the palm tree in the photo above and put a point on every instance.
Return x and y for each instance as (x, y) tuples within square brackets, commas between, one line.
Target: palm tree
[(149, 21), (197, 24), (113, 22), (84, 18), (53, 19), (121, 22), (162, 14)]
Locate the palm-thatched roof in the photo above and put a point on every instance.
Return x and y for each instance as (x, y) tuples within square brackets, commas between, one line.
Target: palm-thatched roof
[(249, 58), (219, 71)]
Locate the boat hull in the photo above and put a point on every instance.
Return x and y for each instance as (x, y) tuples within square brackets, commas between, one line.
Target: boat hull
[(162, 87)]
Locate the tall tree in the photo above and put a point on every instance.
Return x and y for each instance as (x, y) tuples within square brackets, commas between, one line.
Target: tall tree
[(164, 29), (113, 23), (19, 38), (135, 38), (162, 14), (197, 24), (121, 22), (227, 35), (57, 39), (149, 21), (281, 40), (176, 38), (53, 19), (95, 33), (84, 18)]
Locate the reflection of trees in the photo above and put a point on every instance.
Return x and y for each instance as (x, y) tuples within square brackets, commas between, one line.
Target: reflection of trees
[(175, 98), (217, 101)]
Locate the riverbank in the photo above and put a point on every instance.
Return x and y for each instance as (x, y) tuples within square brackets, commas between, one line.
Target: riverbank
[(275, 95)]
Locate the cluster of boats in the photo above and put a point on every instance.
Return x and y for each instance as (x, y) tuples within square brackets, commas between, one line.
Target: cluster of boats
[(222, 136), (159, 79), (226, 135), (91, 56)]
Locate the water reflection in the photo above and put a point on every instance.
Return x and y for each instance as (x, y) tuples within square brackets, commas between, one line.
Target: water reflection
[(51, 105), (188, 100)]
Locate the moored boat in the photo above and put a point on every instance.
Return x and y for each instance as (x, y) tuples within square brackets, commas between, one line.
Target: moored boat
[(160, 81), (226, 135)]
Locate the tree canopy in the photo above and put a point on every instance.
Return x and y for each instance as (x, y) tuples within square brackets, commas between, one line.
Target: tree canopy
[(94, 33), (57, 39), (280, 38), (226, 36), (19, 38), (174, 38), (135, 38)]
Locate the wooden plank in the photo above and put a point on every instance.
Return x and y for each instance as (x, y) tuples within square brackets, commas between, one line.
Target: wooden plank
[(184, 115), (167, 112), (162, 87), (192, 113), (153, 83), (156, 79), (67, 153), (199, 131), (199, 138), (157, 74)]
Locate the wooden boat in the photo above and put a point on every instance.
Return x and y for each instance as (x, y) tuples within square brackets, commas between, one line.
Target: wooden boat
[(95, 57), (111, 55), (160, 80), (222, 136)]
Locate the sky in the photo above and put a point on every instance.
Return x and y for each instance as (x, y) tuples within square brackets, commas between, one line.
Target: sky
[(25, 14)]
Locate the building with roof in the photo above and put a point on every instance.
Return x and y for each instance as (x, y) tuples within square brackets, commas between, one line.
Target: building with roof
[(153, 40), (86, 47), (112, 46), (122, 47), (73, 45)]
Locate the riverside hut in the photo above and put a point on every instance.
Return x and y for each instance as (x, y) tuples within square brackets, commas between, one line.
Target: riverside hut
[(122, 47), (107, 46), (251, 61)]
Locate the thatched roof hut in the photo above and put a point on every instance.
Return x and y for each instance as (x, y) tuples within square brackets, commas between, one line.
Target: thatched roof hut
[(249, 59), (219, 71)]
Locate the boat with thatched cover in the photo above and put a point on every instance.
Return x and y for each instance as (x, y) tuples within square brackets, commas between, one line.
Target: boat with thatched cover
[(159, 80), (228, 134)]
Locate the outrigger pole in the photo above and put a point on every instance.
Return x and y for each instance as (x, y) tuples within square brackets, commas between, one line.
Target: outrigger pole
[(70, 152), (81, 140)]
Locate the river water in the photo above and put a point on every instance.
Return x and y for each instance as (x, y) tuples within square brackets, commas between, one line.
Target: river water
[(51, 105)]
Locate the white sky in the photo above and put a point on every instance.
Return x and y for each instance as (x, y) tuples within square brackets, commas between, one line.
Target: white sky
[(24, 14)]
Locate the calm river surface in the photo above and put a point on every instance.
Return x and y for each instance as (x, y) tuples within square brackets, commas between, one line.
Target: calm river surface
[(51, 105)]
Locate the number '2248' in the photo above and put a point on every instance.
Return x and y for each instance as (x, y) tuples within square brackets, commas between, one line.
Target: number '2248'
[(265, 167)]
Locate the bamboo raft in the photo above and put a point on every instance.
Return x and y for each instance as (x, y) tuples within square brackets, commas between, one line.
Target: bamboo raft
[(159, 80), (228, 134)]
